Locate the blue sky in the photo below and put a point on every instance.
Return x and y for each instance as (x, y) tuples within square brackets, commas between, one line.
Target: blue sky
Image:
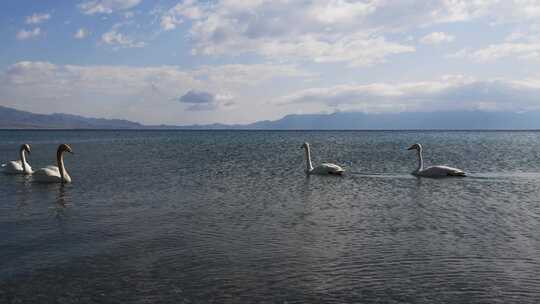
[(232, 61)]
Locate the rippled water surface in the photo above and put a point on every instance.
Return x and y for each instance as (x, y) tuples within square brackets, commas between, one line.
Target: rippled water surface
[(230, 217)]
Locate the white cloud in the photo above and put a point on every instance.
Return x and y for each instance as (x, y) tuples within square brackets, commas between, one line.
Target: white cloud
[(449, 93), (173, 17), (522, 44), (341, 11), (106, 6), (324, 31), (27, 34), (168, 23), (354, 32), (241, 75), (81, 33), (119, 40), (494, 11), (436, 38), (524, 51), (37, 18), (145, 94)]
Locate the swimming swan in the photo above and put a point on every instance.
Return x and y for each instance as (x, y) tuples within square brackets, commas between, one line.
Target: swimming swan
[(434, 171), (55, 174), (19, 166), (322, 169)]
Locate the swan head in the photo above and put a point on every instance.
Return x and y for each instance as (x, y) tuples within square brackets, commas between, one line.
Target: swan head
[(65, 148), (25, 147), (417, 147), (305, 145)]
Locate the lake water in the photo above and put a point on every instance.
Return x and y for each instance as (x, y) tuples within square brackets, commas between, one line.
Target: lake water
[(230, 217)]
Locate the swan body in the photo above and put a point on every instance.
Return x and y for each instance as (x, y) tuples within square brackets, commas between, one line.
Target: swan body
[(322, 169), (20, 166), (55, 174), (433, 171), (51, 174)]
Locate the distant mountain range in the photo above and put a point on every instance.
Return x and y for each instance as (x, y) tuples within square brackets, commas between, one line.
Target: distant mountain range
[(458, 120), (15, 119)]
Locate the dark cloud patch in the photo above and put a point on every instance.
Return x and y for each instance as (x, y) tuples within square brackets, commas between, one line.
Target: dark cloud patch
[(199, 100), (197, 97)]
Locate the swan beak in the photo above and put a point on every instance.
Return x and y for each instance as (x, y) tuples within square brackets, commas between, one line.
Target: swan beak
[(411, 148)]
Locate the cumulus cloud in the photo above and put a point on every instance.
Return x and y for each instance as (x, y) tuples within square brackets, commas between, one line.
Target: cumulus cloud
[(118, 40), (356, 33), (249, 74), (323, 31), (524, 51), (37, 18), (140, 94), (173, 17), (27, 34), (436, 38), (81, 33), (449, 93), (523, 44), (145, 94), (169, 23), (495, 11), (106, 6)]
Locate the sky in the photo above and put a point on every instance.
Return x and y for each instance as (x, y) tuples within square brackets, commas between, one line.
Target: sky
[(240, 61)]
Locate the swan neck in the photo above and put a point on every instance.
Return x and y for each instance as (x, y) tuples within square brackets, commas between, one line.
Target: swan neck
[(23, 158), (420, 160), (60, 163), (309, 165)]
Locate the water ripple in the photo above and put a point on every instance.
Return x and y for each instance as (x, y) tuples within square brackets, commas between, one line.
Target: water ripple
[(230, 217)]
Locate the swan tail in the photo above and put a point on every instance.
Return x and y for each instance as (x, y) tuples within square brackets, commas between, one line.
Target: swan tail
[(457, 173), (337, 171)]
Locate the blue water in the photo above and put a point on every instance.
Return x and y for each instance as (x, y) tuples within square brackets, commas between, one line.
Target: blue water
[(230, 217)]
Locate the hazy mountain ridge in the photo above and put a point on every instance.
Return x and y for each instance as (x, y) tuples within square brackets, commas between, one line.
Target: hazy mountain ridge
[(16, 119), (458, 120)]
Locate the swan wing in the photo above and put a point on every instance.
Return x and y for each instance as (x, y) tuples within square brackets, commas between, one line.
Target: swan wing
[(49, 174), (326, 168), (441, 171), (13, 167)]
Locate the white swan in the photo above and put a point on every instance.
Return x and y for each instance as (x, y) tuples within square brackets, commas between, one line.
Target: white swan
[(20, 166), (55, 174), (434, 171), (322, 169)]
